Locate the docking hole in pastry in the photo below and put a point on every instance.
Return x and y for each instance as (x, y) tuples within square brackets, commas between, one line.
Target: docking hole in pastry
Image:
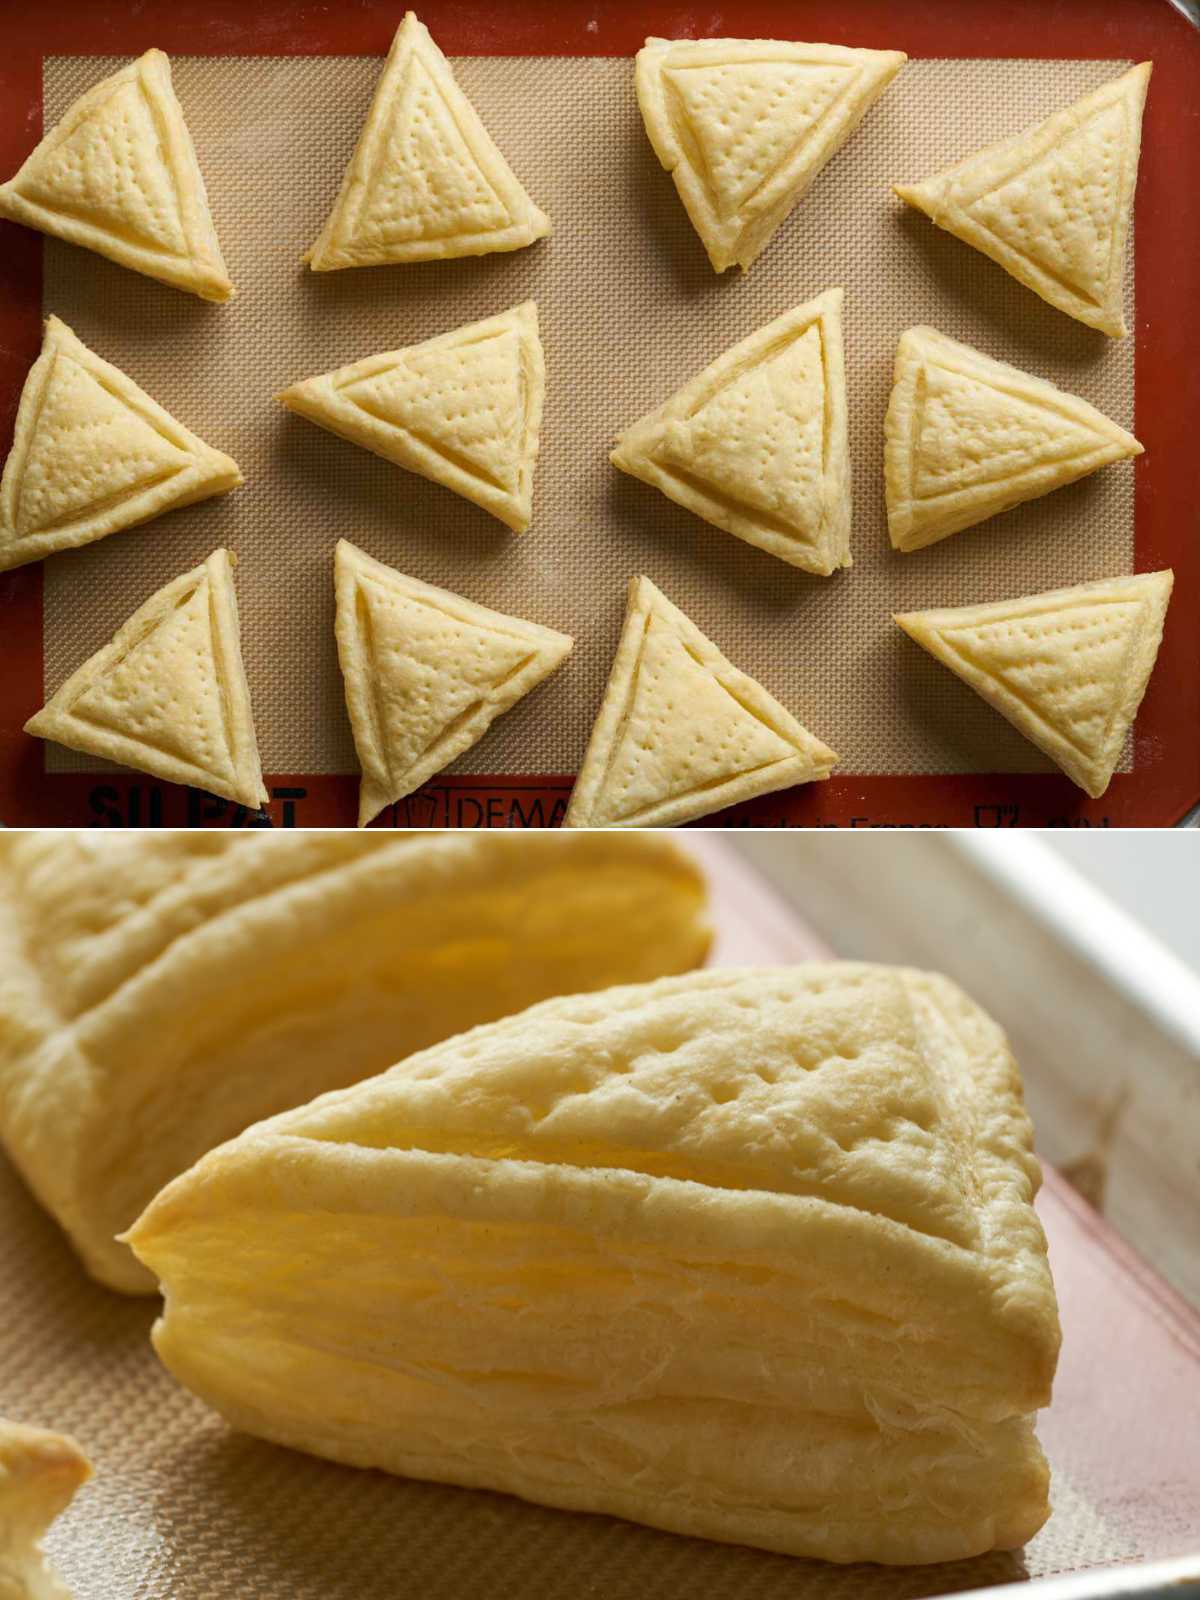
[(426, 672), (967, 437), (168, 694), (681, 731), (756, 443), (1052, 204), (463, 409), (92, 454), (744, 126), (426, 181), (1068, 668), (118, 174)]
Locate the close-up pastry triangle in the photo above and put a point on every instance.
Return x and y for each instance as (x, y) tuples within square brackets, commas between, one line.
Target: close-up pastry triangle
[(744, 126), (757, 442), (118, 174), (426, 672), (681, 732), (1068, 668), (747, 1254), (967, 437), (1052, 204), (426, 181), (92, 453), (168, 694), (463, 409), (238, 972)]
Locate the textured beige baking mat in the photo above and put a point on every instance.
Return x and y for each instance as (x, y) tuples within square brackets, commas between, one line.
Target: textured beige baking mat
[(629, 310), (182, 1508)]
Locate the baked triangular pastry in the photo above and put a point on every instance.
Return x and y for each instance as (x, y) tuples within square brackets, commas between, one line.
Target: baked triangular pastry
[(168, 694), (426, 180), (681, 731), (464, 409), (118, 175), (426, 672), (92, 454), (39, 1474), (162, 989), (1067, 668), (745, 125), (967, 437), (756, 443), (749, 1254), (1052, 204)]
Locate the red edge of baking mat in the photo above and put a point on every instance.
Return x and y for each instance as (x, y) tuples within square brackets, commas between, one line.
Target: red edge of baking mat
[(1165, 782)]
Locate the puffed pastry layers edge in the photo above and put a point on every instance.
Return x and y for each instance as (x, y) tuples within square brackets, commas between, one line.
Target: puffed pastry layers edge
[(158, 994), (802, 1374)]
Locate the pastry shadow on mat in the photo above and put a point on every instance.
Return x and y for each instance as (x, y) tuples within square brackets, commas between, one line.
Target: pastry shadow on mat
[(1022, 327), (973, 737), (375, 499), (440, 288), (99, 300), (653, 200), (650, 520), (318, 1531)]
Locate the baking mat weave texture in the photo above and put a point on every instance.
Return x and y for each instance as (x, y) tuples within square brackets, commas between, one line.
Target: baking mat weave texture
[(629, 310)]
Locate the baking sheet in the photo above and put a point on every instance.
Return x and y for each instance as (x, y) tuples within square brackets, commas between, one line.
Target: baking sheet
[(630, 309), (182, 1508)]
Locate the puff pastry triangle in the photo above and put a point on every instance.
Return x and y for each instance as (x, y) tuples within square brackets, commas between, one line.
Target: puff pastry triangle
[(93, 453), (426, 181), (1052, 204), (39, 1474), (241, 971), (757, 443), (1068, 668), (682, 732), (426, 672), (749, 1254), (744, 126), (168, 694), (118, 175), (967, 437), (463, 409)]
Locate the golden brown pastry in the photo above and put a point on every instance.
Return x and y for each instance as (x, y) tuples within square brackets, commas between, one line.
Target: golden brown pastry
[(745, 1254), (39, 1473), (158, 993)]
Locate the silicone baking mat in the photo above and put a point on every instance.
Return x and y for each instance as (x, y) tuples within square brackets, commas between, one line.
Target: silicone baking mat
[(182, 1508), (629, 309)]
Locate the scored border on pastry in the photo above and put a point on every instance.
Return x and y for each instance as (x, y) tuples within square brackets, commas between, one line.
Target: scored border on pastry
[(1068, 668), (168, 694), (745, 125), (967, 437), (118, 174), (426, 672), (1052, 204), (426, 181), (681, 731), (463, 409), (92, 454), (756, 444)]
